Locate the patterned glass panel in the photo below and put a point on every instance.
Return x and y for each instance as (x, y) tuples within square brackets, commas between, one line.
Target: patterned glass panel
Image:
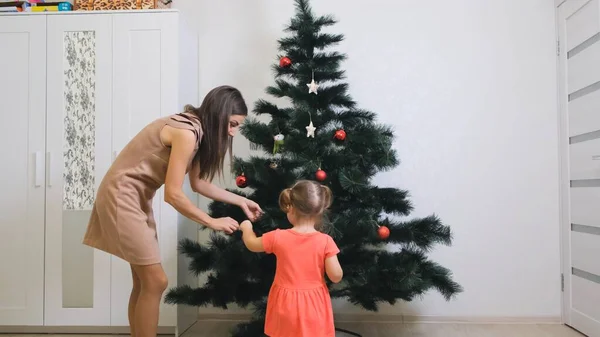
[(79, 120), (79, 146)]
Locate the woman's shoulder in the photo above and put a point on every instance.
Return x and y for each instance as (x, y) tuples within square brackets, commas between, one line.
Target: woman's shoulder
[(186, 117), (185, 120)]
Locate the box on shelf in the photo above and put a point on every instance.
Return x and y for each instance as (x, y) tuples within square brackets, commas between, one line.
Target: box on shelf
[(49, 6), (89, 5), (34, 6), (11, 6), (163, 3), (95, 5)]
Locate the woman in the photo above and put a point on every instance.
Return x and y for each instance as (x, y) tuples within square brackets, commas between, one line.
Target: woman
[(122, 222)]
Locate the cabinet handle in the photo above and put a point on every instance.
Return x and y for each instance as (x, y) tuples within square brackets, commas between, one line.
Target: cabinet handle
[(39, 172), (49, 168), (596, 157)]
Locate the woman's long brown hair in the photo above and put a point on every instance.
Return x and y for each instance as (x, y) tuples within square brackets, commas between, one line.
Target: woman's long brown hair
[(214, 113)]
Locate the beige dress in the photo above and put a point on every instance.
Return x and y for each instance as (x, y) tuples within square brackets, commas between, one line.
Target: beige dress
[(122, 222)]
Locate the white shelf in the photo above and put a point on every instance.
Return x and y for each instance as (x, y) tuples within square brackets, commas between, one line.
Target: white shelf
[(133, 11)]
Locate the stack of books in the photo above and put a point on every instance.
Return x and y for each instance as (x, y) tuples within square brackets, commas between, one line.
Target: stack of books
[(34, 6), (12, 6)]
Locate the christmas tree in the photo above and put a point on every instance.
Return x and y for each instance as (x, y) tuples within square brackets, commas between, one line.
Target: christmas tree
[(324, 136)]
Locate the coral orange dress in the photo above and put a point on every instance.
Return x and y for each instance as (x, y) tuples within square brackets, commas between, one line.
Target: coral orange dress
[(299, 304)]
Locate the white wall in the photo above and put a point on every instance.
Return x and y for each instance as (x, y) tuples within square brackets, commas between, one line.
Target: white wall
[(470, 88)]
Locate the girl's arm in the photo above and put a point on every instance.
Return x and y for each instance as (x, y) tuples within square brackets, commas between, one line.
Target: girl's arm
[(333, 269), (182, 143), (217, 193), (332, 265), (253, 243)]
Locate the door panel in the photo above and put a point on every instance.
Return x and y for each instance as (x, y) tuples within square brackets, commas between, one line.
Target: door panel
[(22, 131), (583, 68), (584, 159), (583, 114), (579, 96), (144, 89), (78, 145), (584, 208), (582, 24)]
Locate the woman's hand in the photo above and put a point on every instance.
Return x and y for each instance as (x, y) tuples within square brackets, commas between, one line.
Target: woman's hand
[(227, 225), (211, 191), (251, 209)]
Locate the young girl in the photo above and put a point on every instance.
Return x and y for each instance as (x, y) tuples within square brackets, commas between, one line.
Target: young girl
[(299, 304)]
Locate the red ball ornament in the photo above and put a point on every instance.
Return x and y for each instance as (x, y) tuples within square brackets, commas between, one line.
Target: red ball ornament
[(241, 181), (321, 175), (285, 62), (340, 135), (383, 232)]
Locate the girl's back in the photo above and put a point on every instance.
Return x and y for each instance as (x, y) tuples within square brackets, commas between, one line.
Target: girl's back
[(299, 304), (300, 257)]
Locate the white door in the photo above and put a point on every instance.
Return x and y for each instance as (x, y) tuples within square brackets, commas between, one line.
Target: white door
[(79, 154), (22, 129), (579, 45), (144, 89)]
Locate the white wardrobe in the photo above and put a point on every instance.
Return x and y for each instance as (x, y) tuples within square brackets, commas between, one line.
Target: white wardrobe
[(75, 87)]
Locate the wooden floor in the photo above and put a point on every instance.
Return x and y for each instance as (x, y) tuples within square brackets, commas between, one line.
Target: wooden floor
[(221, 329)]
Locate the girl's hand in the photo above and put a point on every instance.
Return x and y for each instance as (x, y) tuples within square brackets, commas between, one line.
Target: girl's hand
[(251, 242), (227, 225), (251, 209), (246, 226)]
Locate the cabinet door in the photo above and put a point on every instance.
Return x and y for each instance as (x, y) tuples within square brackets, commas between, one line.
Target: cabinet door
[(144, 89), (22, 129), (79, 154)]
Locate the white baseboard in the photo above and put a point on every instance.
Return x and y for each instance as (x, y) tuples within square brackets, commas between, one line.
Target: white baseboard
[(408, 319), (483, 319), (106, 330)]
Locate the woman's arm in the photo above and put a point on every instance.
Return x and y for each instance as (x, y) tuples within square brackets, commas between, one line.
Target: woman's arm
[(253, 243), (182, 144), (212, 191)]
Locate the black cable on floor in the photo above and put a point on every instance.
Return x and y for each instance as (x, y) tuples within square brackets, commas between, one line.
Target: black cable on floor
[(348, 332)]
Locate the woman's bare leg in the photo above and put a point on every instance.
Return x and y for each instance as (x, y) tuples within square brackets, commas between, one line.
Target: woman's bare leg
[(153, 283), (135, 293)]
